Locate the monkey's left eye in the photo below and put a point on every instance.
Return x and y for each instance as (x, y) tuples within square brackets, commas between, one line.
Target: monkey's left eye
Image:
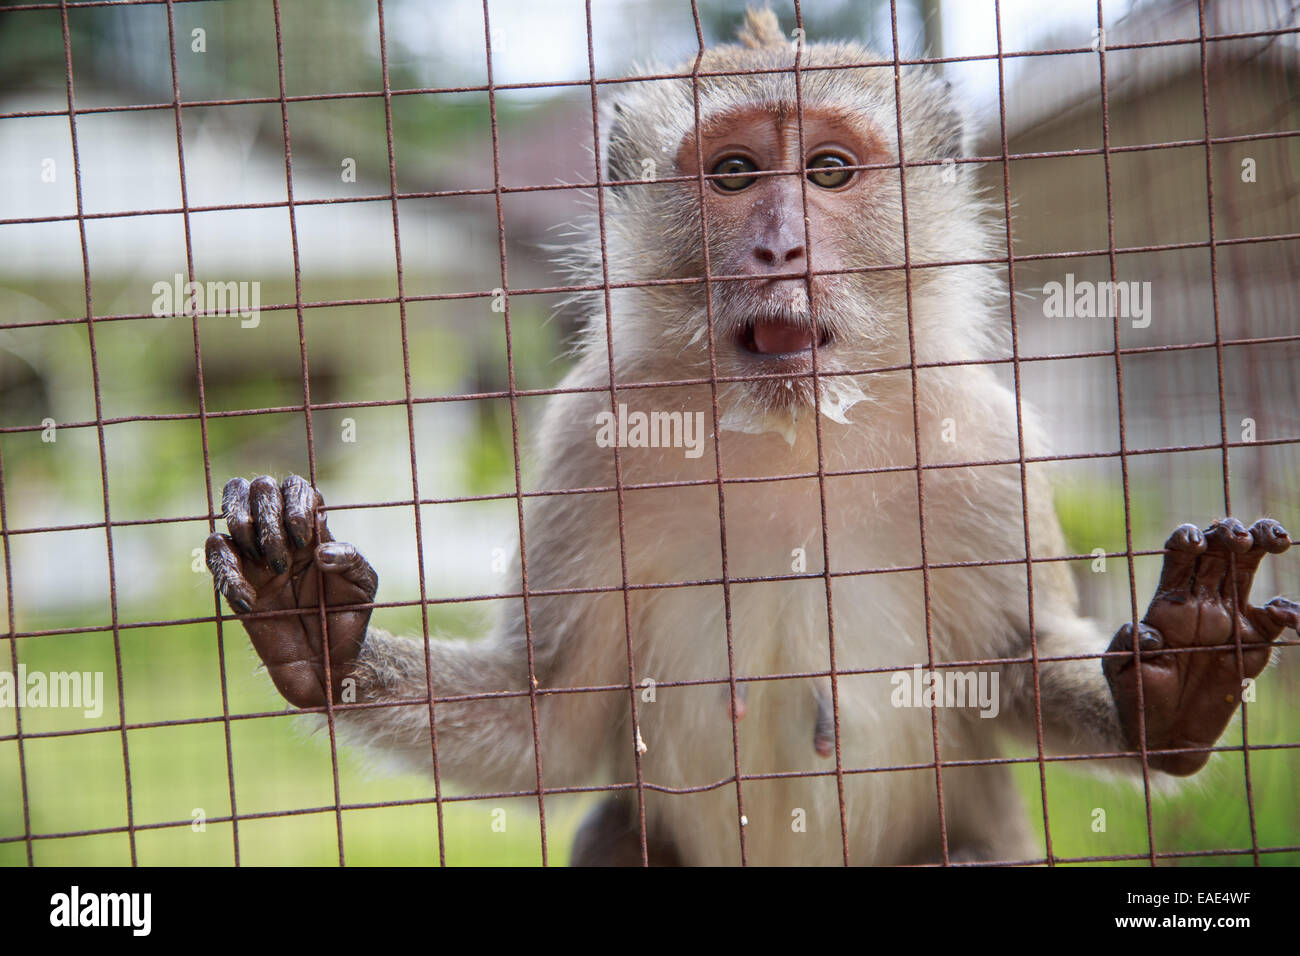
[(827, 170), (733, 168)]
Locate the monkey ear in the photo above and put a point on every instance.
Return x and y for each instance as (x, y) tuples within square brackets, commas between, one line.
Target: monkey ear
[(620, 159), (951, 133)]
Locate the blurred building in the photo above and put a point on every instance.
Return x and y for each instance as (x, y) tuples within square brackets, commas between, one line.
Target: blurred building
[(1072, 203)]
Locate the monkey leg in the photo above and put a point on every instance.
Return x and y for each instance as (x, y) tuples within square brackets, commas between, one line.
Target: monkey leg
[(985, 820), (611, 836)]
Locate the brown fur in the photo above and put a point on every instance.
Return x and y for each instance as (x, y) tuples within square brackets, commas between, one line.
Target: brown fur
[(761, 28)]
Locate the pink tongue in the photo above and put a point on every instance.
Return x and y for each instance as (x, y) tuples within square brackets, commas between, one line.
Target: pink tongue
[(774, 338)]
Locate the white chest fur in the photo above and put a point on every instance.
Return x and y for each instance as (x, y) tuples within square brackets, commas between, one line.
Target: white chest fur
[(779, 627)]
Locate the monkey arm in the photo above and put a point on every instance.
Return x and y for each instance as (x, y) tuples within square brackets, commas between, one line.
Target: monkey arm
[(484, 743), (1191, 670), (1079, 715)]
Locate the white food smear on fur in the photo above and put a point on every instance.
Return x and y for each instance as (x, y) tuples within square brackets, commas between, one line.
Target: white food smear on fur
[(837, 396)]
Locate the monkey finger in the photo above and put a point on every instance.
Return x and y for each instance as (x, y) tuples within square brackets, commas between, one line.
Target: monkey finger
[(267, 509), (1182, 549), (321, 519), (1269, 538), (1150, 641), (1224, 537), (1275, 617), (300, 500), (227, 573), (234, 507), (343, 559)]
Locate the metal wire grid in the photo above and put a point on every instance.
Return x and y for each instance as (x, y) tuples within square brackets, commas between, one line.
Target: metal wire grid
[(595, 85)]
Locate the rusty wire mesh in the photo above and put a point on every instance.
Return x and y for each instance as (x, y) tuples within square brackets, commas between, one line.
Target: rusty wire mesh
[(1001, 158)]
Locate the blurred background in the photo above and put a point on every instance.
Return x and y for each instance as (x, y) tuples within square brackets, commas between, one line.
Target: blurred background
[(69, 774)]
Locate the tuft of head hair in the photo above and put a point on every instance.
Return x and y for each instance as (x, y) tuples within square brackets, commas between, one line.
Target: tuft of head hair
[(761, 29)]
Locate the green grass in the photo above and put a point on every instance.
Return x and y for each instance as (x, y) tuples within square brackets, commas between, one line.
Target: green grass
[(278, 763), (1207, 812), (181, 773)]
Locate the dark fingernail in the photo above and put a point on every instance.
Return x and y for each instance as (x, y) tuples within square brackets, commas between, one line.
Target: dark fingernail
[(278, 565), (1150, 641), (240, 605)]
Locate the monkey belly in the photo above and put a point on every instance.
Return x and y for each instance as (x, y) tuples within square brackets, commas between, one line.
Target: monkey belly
[(780, 628), (888, 812), (793, 820)]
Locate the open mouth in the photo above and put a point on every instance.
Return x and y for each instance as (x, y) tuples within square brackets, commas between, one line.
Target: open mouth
[(781, 338)]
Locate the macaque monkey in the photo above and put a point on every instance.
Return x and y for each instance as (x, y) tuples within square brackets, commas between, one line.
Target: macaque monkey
[(789, 263)]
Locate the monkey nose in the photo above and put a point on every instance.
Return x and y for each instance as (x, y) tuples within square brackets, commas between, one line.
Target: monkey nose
[(775, 254)]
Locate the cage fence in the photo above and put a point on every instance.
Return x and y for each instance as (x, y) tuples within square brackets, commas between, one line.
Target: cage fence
[(1122, 158)]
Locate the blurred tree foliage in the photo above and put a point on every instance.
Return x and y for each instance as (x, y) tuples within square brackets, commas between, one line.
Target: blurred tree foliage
[(333, 46), (327, 46)]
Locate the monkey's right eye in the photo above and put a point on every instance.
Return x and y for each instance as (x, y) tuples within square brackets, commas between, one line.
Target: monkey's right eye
[(731, 168)]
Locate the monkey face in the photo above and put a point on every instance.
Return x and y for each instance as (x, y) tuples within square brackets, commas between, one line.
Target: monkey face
[(776, 242), (780, 291)]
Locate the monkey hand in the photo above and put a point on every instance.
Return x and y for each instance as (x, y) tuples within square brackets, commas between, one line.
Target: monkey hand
[(1202, 601), (277, 558)]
